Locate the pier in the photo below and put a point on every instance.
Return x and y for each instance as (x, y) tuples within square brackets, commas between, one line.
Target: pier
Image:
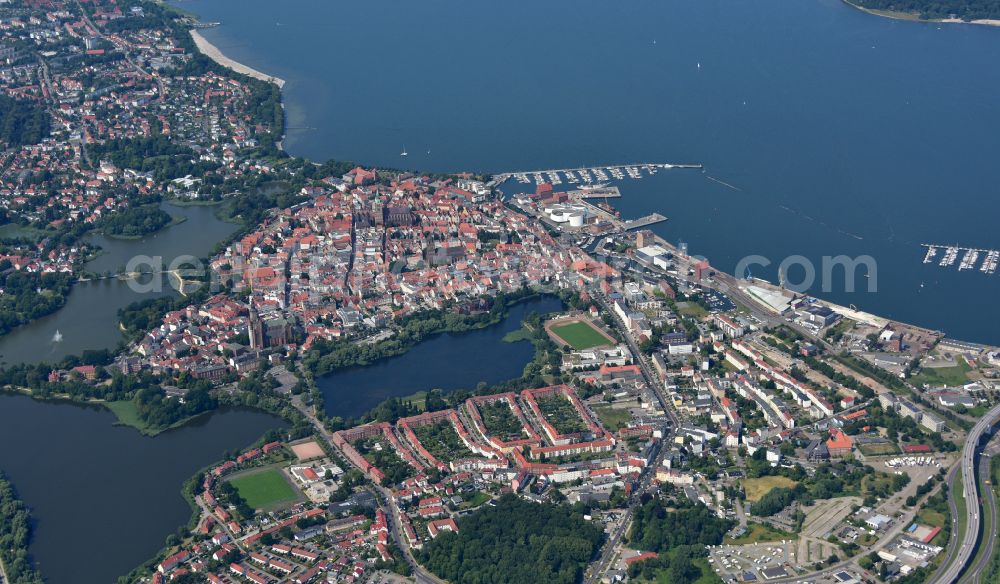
[(970, 257), (597, 193), (588, 174), (644, 221)]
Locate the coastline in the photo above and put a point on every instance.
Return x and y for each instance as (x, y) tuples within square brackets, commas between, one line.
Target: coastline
[(213, 53), (913, 17), (216, 55)]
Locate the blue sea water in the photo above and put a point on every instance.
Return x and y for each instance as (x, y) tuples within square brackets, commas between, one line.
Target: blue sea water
[(843, 133)]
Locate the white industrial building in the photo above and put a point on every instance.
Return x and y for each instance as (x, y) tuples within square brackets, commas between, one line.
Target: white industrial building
[(574, 215)]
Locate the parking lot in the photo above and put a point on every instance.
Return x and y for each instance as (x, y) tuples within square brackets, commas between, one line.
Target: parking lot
[(731, 562), (717, 302), (768, 561)]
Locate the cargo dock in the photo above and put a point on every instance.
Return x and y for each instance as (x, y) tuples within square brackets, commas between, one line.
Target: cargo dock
[(611, 192), (644, 221)]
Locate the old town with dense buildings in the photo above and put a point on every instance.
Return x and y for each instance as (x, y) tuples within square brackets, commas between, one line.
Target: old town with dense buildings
[(821, 435), (353, 257)]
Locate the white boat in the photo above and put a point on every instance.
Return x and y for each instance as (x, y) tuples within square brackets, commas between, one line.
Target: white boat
[(990, 263), (969, 260), (950, 255)]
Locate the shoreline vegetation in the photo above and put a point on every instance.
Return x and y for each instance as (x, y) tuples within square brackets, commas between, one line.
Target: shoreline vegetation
[(128, 416), (174, 220), (124, 410), (138, 222), (15, 535), (916, 16), (29, 296), (214, 53)]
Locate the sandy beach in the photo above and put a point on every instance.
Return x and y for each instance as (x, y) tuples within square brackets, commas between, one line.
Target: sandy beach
[(213, 52), (986, 21)]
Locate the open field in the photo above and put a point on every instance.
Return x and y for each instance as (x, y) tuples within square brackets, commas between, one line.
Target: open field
[(15, 231), (579, 334), (978, 411), (307, 450), (931, 517), (757, 488), (266, 489), (707, 576), (612, 418), (692, 309), (125, 411), (943, 376), (475, 500), (878, 449)]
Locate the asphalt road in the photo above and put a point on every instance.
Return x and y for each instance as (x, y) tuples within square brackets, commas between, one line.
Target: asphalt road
[(951, 548), (988, 545), (420, 575), (971, 494)]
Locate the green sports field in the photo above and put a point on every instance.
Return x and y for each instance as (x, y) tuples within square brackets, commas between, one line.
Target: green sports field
[(267, 489), (580, 335)]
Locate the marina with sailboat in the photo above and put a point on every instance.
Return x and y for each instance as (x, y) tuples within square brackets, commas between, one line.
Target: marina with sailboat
[(970, 257), (587, 175)]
